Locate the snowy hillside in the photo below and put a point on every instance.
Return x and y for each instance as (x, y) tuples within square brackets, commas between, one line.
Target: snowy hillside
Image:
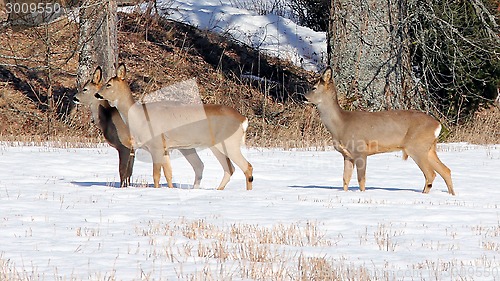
[(62, 217), (274, 35)]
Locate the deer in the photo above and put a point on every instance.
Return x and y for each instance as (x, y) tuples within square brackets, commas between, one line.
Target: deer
[(108, 120), (359, 134), (220, 128), (117, 133)]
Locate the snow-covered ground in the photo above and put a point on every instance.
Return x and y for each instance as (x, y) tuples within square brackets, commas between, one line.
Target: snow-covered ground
[(272, 34), (62, 218)]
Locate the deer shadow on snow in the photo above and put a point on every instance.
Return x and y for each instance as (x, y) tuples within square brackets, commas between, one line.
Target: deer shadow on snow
[(116, 184), (353, 188)]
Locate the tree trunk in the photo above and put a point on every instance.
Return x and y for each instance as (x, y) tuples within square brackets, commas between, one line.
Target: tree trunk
[(98, 39), (4, 16), (368, 51)]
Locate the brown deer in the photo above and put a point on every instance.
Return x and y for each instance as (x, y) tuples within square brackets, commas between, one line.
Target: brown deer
[(157, 125), (116, 132), (358, 134)]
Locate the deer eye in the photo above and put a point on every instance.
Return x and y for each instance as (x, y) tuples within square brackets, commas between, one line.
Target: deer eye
[(84, 90), (108, 85)]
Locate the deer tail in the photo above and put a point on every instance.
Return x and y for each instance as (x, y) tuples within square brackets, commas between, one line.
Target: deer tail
[(244, 126), (405, 155)]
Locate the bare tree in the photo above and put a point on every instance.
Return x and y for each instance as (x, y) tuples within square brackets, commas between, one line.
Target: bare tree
[(456, 54), (98, 38)]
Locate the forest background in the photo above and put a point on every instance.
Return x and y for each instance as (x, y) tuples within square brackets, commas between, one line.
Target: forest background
[(441, 57)]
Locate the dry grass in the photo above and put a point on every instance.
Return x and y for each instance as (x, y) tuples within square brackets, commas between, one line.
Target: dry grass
[(384, 236), (240, 251), (483, 128), (489, 235), (9, 272), (208, 249), (246, 251)]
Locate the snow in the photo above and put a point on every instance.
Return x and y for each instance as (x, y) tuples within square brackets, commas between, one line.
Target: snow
[(63, 217), (275, 35)]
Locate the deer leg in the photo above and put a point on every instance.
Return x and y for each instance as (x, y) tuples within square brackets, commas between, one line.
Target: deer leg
[(248, 175), (156, 174), (441, 169), (167, 170), (130, 164), (195, 161), (123, 165), (165, 162), (425, 166), (233, 152), (348, 167), (360, 164), (226, 165)]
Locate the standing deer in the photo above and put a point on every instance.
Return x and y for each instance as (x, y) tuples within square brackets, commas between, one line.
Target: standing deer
[(357, 134), (117, 133), (218, 127), (109, 121)]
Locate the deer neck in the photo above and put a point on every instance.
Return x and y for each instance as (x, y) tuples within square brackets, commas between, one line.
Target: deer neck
[(331, 115), (124, 105), (98, 111)]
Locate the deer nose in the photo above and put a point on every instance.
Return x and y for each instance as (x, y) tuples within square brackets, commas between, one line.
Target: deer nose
[(99, 97)]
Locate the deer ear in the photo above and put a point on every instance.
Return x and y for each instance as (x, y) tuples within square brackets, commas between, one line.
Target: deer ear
[(97, 77), (121, 71), (327, 74)]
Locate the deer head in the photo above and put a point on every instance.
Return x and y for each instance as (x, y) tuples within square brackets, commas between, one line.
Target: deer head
[(323, 88), (87, 95), (115, 87)]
